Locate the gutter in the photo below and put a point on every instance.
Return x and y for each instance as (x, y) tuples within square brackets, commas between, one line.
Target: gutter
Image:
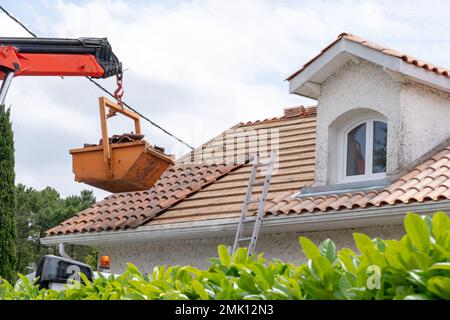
[(222, 228)]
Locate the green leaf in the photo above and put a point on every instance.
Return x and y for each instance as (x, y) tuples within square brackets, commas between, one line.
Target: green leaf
[(246, 282), (321, 265), (417, 231), (440, 286), (440, 266), (200, 290), (362, 242), (418, 296), (224, 255), (134, 270), (441, 223), (429, 223), (240, 256), (345, 285), (328, 249), (309, 248)]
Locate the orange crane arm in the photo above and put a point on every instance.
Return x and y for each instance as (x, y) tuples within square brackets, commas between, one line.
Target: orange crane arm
[(47, 64), (90, 57)]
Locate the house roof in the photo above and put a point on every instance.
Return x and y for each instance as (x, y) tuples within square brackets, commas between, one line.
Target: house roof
[(295, 169), (132, 209), (201, 186), (198, 190), (337, 53), (405, 57), (193, 192), (429, 181)]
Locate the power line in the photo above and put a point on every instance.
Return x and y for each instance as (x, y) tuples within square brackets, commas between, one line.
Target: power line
[(103, 88)]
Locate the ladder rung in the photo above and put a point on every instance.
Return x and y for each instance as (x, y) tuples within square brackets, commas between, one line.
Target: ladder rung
[(245, 239), (258, 184), (253, 201), (259, 165)]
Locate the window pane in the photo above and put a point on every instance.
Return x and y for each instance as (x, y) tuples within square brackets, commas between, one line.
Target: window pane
[(379, 146), (356, 151)]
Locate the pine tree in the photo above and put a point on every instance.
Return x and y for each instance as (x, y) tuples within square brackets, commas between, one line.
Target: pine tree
[(7, 198)]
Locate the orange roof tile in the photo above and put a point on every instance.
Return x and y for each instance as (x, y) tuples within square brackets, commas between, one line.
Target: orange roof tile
[(429, 181), (189, 192), (183, 180), (295, 134), (407, 58), (132, 209)]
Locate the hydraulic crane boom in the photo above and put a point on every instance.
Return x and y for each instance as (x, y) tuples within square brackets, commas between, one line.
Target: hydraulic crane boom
[(121, 163), (91, 57)]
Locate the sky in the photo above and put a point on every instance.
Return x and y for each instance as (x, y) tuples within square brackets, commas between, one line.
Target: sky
[(194, 67)]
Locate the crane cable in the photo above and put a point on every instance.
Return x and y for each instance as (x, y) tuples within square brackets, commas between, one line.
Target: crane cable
[(104, 89)]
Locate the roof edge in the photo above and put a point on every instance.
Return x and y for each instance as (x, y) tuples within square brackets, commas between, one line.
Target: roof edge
[(223, 228), (307, 80)]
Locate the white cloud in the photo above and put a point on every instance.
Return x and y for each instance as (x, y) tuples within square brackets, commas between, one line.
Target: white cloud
[(197, 67)]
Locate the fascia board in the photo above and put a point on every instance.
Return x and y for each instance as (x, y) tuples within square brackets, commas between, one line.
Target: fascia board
[(425, 77), (221, 228), (317, 65)]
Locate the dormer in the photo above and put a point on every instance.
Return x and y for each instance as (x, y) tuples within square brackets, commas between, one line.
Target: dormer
[(378, 110)]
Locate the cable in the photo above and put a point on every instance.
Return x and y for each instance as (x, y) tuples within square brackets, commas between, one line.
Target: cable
[(104, 89), (140, 114), (17, 21)]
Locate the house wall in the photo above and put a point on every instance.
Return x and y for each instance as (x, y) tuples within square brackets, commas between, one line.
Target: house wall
[(426, 120), (352, 88), (417, 116), (196, 252)]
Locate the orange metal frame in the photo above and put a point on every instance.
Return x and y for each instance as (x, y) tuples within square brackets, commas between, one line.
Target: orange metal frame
[(113, 109), (47, 64)]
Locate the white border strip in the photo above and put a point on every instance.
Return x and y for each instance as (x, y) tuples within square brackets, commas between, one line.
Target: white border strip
[(218, 228)]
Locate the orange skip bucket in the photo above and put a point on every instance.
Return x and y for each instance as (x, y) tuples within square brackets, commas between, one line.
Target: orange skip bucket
[(119, 167)]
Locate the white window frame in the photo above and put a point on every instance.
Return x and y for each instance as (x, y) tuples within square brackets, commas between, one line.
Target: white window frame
[(369, 175)]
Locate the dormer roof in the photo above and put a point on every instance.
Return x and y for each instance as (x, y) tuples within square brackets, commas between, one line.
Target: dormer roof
[(308, 79)]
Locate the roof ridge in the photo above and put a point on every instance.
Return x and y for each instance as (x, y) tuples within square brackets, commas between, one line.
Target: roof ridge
[(308, 111)]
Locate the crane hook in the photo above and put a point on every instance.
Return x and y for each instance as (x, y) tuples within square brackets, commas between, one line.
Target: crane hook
[(118, 94)]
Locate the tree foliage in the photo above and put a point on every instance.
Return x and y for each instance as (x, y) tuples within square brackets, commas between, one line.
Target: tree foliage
[(38, 211), (7, 197)]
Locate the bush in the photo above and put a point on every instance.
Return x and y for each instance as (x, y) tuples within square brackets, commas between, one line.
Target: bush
[(416, 267)]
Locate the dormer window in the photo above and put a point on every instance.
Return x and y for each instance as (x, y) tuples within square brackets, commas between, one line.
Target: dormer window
[(363, 150)]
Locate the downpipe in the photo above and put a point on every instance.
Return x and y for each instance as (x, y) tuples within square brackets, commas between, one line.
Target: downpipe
[(62, 251)]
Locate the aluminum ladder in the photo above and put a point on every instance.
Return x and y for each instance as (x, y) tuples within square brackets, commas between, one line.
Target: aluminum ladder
[(244, 221)]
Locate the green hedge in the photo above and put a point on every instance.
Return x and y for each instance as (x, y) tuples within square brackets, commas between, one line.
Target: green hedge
[(416, 267)]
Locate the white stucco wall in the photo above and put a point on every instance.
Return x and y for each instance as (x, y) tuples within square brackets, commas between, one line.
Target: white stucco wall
[(356, 86), (417, 117), (425, 120), (196, 252)]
